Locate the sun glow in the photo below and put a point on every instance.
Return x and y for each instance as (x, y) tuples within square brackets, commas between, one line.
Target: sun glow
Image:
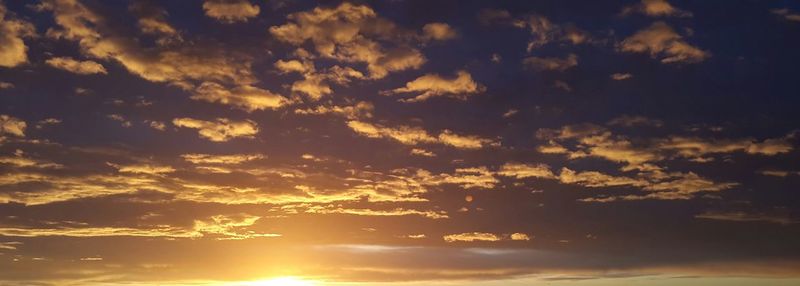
[(282, 281)]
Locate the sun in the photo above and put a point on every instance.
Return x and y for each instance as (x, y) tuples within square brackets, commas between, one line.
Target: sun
[(283, 281)]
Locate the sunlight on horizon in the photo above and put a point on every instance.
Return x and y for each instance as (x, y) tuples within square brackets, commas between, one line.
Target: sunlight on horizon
[(280, 281)]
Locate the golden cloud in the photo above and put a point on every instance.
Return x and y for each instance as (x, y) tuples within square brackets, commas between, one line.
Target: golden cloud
[(660, 40), (230, 11), (13, 51), (415, 135), (75, 66), (221, 130), (432, 85)]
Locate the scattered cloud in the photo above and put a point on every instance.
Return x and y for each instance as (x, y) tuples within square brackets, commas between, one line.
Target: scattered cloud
[(484, 237), (230, 11), (433, 85), (656, 8), (221, 130), (551, 64), (661, 41), (13, 51), (621, 76), (787, 14), (353, 33), (438, 31), (75, 66), (635, 120), (244, 97), (741, 216), (415, 135), (521, 171), (12, 125), (232, 159)]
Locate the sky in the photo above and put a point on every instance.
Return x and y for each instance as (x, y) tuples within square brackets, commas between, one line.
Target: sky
[(481, 143)]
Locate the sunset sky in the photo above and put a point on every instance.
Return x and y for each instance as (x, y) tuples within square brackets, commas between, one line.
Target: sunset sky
[(479, 143)]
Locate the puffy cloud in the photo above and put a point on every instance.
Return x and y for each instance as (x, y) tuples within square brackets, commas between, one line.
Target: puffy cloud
[(660, 40), (544, 32), (12, 125), (13, 51), (520, 236), (350, 33), (432, 85), (221, 130), (621, 76), (157, 125), (521, 171), (6, 85), (248, 98), (415, 135), (554, 64), (75, 66), (221, 159), (656, 8), (230, 11), (153, 21), (786, 14), (438, 31)]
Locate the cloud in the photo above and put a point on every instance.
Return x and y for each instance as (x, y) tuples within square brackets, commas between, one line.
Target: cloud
[(75, 66), (474, 177), (353, 34), (484, 236), (143, 169), (244, 97), (472, 236), (782, 218), (660, 40), (13, 51), (233, 159), (438, 31), (370, 212), (693, 147), (551, 64), (415, 135), (422, 152), (221, 130), (153, 21), (221, 227), (543, 31), (6, 85), (432, 85), (787, 14), (521, 171), (361, 109), (230, 11), (631, 121), (315, 84), (12, 125), (621, 76), (656, 8)]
